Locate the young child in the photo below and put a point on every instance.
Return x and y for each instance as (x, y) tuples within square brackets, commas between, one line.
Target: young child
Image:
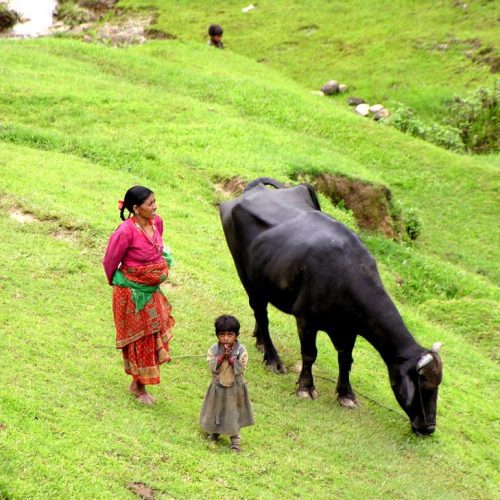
[(227, 407), (215, 33)]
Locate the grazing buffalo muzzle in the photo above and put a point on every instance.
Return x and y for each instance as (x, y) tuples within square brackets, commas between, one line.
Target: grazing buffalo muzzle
[(415, 385), (290, 254)]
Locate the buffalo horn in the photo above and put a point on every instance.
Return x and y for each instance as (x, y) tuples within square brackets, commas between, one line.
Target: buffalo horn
[(435, 347), (424, 361)]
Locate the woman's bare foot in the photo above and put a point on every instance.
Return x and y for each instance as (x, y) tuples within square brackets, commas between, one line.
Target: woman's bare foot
[(139, 390), (145, 398)]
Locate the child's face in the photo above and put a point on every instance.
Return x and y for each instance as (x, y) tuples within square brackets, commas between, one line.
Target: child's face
[(216, 38), (227, 338)]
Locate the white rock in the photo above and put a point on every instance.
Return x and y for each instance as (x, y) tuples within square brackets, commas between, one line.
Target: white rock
[(342, 88), (376, 108), (317, 92), (379, 115), (248, 8), (363, 109)]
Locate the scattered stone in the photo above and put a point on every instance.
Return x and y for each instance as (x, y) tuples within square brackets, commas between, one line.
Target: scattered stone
[(317, 92), (363, 109), (381, 114), (342, 88), (354, 101), (376, 108), (330, 88), (248, 8)]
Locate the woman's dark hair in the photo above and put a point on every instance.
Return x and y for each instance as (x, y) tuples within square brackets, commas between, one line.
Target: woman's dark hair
[(215, 29), (136, 195), (227, 323)]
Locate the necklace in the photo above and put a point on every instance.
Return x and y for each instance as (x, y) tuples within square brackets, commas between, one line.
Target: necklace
[(152, 239)]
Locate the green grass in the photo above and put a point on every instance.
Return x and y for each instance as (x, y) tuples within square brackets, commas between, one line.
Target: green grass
[(386, 51), (79, 124)]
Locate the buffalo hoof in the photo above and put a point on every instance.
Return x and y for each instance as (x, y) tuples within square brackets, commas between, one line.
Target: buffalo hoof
[(276, 366), (260, 346), (347, 402), (307, 394)]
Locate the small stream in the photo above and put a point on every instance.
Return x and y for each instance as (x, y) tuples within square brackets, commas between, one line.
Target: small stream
[(37, 15)]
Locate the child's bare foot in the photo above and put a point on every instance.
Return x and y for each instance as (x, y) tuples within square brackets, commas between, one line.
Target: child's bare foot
[(235, 443)]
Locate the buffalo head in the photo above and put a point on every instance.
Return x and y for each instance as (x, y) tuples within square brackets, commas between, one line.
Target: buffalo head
[(415, 384)]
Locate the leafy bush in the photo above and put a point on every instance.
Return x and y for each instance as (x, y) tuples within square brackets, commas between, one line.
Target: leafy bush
[(403, 118), (8, 18), (413, 223), (477, 119)]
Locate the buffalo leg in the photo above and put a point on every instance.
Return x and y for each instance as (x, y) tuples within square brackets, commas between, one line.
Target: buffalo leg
[(309, 353), (263, 338), (346, 396)]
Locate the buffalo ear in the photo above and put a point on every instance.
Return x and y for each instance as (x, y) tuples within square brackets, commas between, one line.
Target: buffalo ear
[(407, 390)]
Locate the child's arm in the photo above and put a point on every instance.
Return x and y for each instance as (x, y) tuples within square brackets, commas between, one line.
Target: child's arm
[(214, 361), (240, 361)]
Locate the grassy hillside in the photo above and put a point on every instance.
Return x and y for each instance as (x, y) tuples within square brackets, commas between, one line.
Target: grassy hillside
[(79, 125), (417, 52)]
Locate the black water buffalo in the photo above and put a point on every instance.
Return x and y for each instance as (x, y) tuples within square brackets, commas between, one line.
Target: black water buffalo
[(290, 254)]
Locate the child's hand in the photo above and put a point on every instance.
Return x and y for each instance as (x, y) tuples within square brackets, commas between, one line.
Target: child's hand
[(227, 350)]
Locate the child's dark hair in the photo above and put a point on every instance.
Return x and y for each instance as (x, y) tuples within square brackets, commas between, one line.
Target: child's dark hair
[(215, 29), (226, 323), (136, 195)]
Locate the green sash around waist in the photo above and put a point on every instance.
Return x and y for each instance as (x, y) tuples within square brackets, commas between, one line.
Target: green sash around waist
[(141, 294)]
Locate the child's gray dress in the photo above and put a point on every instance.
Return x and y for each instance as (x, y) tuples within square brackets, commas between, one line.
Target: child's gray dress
[(227, 407)]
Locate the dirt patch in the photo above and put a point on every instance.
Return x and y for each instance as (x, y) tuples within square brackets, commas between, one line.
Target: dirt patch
[(308, 30), (61, 233), (227, 189), (370, 203), (66, 235), (3, 426), (142, 490), (487, 56), (86, 18), (130, 31), (22, 217)]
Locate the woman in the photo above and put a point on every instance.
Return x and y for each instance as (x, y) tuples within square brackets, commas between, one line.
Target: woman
[(135, 266)]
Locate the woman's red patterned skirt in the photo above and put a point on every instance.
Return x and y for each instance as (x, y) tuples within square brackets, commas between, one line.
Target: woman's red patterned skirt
[(144, 336)]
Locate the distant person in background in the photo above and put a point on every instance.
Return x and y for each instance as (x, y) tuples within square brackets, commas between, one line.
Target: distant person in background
[(215, 33), (226, 408), (135, 266)]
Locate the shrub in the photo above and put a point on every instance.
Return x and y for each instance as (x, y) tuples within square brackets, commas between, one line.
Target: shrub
[(8, 18), (413, 223), (477, 119), (403, 118)]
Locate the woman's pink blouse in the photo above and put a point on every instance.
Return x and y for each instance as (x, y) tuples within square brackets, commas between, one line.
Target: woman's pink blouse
[(129, 246)]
